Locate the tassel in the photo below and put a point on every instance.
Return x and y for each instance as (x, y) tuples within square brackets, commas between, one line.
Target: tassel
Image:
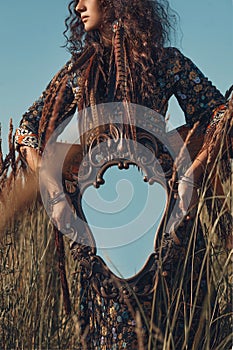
[(120, 60), (124, 89)]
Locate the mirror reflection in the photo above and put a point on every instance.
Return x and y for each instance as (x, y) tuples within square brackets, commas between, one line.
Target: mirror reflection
[(124, 215)]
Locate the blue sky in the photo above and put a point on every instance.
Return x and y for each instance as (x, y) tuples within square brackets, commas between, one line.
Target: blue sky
[(31, 53)]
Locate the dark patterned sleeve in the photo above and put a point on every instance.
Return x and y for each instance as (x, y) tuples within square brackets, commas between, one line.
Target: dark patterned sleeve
[(198, 97), (27, 133)]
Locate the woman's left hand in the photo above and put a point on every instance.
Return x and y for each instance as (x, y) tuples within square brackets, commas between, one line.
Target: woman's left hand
[(188, 197)]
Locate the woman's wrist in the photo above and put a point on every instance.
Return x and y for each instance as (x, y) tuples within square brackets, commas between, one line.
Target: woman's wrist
[(188, 181), (57, 197), (198, 168)]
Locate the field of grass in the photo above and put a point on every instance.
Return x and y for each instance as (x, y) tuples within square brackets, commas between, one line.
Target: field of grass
[(32, 308)]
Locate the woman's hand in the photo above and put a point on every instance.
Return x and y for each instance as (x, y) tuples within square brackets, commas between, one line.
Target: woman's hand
[(188, 196), (62, 215)]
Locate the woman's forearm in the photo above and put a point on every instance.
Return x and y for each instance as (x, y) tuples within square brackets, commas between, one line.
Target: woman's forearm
[(198, 167), (48, 177)]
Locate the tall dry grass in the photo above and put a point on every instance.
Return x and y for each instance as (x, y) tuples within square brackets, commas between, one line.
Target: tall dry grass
[(32, 313)]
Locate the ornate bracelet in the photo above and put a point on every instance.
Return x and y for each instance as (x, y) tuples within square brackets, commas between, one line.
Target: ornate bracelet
[(57, 198), (189, 182)]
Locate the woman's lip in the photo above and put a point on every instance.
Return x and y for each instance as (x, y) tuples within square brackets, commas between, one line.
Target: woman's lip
[(84, 18)]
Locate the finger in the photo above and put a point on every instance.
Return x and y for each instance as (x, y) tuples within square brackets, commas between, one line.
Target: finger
[(182, 207)]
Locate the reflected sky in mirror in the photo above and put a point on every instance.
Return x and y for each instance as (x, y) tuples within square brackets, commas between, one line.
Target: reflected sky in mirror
[(124, 215)]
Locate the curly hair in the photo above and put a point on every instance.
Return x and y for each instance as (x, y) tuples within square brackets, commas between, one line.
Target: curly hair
[(147, 26)]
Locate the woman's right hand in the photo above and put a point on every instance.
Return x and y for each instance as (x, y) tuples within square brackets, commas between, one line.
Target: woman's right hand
[(62, 215)]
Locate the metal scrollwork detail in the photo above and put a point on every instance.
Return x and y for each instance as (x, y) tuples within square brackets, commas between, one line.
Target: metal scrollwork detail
[(108, 285), (114, 148)]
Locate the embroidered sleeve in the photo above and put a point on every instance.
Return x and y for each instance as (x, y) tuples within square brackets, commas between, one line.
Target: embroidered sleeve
[(197, 96), (27, 133)]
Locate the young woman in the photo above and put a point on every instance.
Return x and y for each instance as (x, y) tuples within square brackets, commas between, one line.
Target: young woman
[(118, 53)]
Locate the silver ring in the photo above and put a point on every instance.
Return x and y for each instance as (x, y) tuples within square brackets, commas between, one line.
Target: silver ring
[(67, 225)]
